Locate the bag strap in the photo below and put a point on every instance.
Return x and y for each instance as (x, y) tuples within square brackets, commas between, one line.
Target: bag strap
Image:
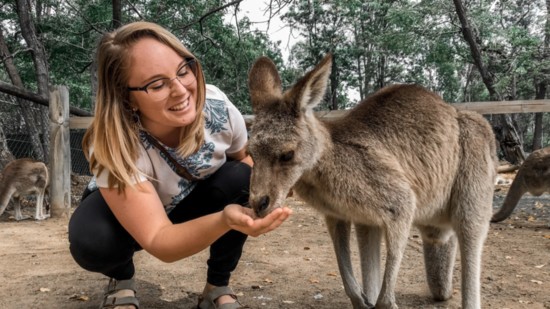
[(180, 170)]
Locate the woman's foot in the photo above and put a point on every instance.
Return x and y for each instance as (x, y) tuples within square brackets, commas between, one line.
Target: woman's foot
[(218, 297), (120, 294)]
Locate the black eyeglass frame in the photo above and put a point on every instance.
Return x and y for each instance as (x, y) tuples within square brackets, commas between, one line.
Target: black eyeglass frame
[(191, 62)]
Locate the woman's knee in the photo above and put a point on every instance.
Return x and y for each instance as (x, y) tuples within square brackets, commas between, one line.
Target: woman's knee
[(232, 181), (95, 236)]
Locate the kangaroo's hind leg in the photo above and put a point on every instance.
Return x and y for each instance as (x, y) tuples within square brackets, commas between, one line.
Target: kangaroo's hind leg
[(17, 207), (340, 233), (39, 213), (396, 241), (471, 224), (471, 233), (439, 258), (471, 201), (5, 197), (369, 240)]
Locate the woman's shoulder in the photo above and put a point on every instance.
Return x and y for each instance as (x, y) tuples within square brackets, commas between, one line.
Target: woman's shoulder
[(216, 98), (214, 93)]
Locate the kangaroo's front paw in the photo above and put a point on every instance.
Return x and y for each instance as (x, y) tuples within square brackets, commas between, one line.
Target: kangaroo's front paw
[(40, 218), (386, 306), (363, 304), (367, 303), (22, 217)]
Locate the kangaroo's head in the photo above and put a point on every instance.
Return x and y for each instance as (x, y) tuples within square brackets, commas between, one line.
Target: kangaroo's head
[(285, 138)]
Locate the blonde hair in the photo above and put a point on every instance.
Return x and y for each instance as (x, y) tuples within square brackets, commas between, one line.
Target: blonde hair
[(113, 133)]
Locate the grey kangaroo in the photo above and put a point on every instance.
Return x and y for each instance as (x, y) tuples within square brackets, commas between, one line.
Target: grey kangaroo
[(533, 176), (23, 177), (402, 157)]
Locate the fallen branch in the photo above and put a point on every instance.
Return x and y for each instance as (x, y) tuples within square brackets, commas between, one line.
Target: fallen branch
[(507, 168)]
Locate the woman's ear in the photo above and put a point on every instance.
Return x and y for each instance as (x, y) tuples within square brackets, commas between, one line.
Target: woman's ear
[(131, 106)]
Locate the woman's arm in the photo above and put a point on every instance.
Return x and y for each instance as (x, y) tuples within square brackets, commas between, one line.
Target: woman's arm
[(242, 156), (142, 214)]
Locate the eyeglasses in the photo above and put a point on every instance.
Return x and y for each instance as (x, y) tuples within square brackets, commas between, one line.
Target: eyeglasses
[(159, 89)]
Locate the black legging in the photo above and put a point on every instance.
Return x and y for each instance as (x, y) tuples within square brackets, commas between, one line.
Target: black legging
[(99, 243)]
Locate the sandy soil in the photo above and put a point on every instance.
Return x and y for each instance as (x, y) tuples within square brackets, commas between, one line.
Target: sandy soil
[(292, 267)]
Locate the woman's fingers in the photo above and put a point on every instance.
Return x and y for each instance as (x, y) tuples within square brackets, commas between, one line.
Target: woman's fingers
[(271, 221), (242, 219)]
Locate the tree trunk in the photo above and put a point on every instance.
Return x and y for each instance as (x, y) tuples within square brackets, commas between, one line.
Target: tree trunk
[(5, 154), (334, 85), (537, 132), (42, 79), (543, 83), (26, 108), (117, 14), (507, 136)]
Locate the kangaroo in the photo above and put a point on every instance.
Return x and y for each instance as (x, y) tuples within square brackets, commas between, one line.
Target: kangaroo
[(533, 176), (24, 177), (402, 157)]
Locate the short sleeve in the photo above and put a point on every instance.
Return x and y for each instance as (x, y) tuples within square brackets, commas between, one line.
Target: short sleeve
[(143, 164), (239, 134)]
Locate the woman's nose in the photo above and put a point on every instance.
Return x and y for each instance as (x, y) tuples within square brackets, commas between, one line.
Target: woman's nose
[(177, 88)]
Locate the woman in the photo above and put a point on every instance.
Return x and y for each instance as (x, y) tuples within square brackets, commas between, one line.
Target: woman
[(170, 168)]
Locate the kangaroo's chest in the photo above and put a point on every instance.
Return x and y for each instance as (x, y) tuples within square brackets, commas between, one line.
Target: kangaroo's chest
[(341, 198)]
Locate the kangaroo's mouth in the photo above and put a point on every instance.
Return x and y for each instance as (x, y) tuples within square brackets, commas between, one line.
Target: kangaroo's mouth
[(264, 205)]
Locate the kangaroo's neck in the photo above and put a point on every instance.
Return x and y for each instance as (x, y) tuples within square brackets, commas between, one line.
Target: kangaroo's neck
[(319, 135)]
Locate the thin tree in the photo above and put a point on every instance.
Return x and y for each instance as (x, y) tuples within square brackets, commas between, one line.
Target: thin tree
[(541, 83), (42, 80), (25, 106), (5, 154), (507, 135)]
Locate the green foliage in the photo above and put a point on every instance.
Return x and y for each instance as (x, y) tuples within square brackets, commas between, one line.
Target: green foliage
[(70, 30), (374, 43)]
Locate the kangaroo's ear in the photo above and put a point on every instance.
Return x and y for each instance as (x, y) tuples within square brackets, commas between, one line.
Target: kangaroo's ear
[(264, 82), (310, 89)]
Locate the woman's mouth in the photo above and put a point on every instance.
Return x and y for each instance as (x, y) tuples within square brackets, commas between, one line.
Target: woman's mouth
[(180, 106)]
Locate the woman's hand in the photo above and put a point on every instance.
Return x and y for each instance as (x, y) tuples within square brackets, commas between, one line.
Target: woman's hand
[(242, 219)]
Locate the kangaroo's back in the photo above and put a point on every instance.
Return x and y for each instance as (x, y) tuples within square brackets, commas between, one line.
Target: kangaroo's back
[(409, 126), (25, 176), (22, 177)]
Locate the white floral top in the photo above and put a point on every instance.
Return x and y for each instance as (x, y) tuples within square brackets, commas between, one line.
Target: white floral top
[(225, 132)]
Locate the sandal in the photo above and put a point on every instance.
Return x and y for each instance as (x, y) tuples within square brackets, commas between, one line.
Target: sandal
[(209, 301), (111, 301)]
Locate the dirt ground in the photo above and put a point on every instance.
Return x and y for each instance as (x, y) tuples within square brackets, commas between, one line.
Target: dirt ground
[(292, 267)]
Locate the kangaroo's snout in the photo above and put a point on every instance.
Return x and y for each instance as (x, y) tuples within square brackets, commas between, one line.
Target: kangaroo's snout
[(261, 205)]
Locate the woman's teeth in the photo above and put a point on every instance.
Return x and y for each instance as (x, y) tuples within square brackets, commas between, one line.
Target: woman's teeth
[(179, 106)]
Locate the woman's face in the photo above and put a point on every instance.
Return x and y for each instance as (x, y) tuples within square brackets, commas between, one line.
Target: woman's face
[(167, 105)]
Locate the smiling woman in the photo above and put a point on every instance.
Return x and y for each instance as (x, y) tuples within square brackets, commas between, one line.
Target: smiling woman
[(165, 107), (170, 168)]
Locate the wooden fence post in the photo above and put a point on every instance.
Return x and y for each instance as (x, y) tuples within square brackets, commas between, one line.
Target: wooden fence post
[(60, 153)]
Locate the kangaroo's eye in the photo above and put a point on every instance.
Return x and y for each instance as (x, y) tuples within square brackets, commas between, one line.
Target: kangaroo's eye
[(287, 156)]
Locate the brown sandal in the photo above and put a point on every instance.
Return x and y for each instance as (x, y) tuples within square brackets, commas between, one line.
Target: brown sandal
[(209, 301), (111, 301)]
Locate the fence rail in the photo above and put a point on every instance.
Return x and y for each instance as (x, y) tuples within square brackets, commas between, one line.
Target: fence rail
[(486, 108), (61, 123)]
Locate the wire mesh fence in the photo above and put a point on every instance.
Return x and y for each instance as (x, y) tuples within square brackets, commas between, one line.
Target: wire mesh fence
[(18, 138)]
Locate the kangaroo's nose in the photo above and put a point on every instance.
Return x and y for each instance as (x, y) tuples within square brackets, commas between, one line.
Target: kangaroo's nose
[(263, 203)]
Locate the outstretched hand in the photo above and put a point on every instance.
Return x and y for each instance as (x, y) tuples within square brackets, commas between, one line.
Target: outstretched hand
[(243, 220)]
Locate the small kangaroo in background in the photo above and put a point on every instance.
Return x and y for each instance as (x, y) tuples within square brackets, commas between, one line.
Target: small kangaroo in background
[(402, 157), (23, 177), (533, 176)]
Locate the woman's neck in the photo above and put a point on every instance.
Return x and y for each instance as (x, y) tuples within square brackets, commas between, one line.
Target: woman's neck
[(170, 138)]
